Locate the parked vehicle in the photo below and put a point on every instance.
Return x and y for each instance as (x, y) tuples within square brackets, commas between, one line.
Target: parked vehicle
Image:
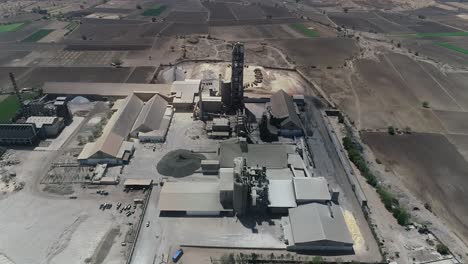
[(177, 255)]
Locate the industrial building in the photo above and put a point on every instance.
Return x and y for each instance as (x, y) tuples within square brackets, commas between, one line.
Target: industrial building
[(105, 90), (283, 115), (148, 122), (264, 155), (153, 121), (191, 198), (47, 126), (112, 146), (18, 134), (185, 94), (317, 227)]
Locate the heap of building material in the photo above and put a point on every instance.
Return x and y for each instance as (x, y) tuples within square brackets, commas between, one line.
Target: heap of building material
[(179, 163)]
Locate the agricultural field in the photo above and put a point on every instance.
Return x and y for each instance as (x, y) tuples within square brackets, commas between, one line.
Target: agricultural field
[(432, 159), (9, 106), (307, 31), (75, 74), (454, 48), (38, 35), (12, 27), (155, 11), (319, 52), (187, 17)]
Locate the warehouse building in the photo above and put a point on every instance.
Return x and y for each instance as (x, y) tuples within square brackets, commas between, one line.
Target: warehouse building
[(185, 94), (18, 134), (317, 227), (47, 126), (112, 147), (281, 195), (311, 189), (103, 90), (191, 198), (264, 155), (153, 121), (283, 114)]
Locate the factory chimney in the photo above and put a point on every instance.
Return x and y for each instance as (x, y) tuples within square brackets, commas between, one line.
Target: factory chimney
[(237, 77), (15, 87)]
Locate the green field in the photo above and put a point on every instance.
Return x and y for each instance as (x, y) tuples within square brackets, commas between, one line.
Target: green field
[(38, 35), (8, 108), (11, 27), (72, 25), (155, 11), (437, 34), (305, 30), (454, 48)]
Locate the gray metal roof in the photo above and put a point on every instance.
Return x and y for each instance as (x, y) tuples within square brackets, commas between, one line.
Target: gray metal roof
[(116, 131), (318, 222), (282, 106), (281, 194), (40, 121), (190, 196), (151, 115), (268, 155), (311, 189), (296, 161), (103, 89)]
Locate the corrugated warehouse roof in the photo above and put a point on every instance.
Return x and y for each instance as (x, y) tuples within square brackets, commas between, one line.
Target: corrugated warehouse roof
[(40, 121), (268, 155), (282, 106), (116, 131), (190, 196), (103, 89), (318, 222), (281, 194), (151, 115), (311, 189)]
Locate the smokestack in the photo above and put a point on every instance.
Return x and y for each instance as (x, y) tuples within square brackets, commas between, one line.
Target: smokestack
[(15, 87), (243, 144), (237, 77)]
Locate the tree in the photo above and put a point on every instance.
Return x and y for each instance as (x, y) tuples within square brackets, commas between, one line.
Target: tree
[(425, 104), (391, 130), (442, 249), (138, 6), (228, 259), (117, 62), (317, 260), (83, 37)]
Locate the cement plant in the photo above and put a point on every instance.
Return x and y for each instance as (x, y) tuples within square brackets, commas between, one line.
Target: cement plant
[(233, 131)]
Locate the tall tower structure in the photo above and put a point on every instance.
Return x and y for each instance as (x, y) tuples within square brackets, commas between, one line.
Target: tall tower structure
[(15, 87), (237, 77)]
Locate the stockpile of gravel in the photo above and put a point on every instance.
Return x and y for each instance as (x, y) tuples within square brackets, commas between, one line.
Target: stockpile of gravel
[(180, 163)]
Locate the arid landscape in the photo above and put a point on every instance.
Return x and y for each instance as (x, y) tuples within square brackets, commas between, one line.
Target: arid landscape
[(384, 119)]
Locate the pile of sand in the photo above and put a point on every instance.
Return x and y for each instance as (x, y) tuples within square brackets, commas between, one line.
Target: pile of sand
[(180, 163)]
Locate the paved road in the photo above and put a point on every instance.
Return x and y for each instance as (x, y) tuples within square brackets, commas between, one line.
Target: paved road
[(149, 238), (315, 122)]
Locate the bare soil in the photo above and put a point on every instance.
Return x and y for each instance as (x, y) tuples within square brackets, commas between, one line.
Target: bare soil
[(432, 160)]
